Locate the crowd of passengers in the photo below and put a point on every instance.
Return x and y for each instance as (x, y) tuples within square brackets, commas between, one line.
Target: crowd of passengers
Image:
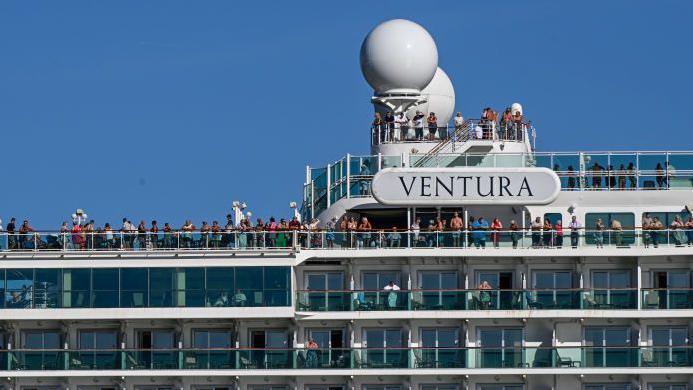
[(349, 232), (478, 231), (88, 235), (610, 178), (394, 127)]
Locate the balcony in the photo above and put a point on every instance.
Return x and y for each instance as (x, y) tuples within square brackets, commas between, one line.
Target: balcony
[(662, 298), (350, 176), (533, 299), (293, 240), (348, 358)]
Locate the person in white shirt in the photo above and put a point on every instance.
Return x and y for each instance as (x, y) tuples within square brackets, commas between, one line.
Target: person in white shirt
[(401, 126), (459, 123), (391, 286), (574, 231)]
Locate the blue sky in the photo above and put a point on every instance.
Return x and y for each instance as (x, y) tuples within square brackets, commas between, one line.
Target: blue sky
[(172, 110)]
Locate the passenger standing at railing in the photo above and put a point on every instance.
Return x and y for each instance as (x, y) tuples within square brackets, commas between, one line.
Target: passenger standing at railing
[(459, 123), (11, 239), (536, 232), (518, 126), (660, 175), (431, 233), (377, 129), (621, 177), (496, 226), (631, 176), (142, 235), (677, 232), (456, 225), (401, 127), (25, 238), (597, 175), (154, 235), (227, 240), (689, 230), (617, 229), (394, 238), (514, 233), (216, 234), (108, 233), (88, 232), (363, 238), (479, 232), (271, 229), (419, 125), (506, 123), (168, 236), (64, 235), (646, 226), (415, 229), (574, 227), (125, 233), (655, 227), (571, 177), (599, 233), (329, 235), (364, 182), (282, 230), (612, 176), (294, 226), (432, 126), (548, 233), (77, 239), (259, 233), (186, 235), (558, 228), (389, 126)]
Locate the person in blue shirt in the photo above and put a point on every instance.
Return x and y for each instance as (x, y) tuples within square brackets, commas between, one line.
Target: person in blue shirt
[(479, 228)]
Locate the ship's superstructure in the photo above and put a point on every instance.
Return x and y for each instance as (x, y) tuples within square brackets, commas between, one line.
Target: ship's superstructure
[(585, 284)]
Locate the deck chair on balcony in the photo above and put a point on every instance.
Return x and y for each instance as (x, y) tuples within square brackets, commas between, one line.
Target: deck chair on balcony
[(247, 363), (362, 303), (651, 300), (647, 358), (421, 362), (190, 362), (77, 364), (532, 303), (133, 364), (593, 304), (564, 361)]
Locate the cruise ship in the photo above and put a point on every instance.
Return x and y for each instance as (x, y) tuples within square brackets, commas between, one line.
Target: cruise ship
[(454, 256)]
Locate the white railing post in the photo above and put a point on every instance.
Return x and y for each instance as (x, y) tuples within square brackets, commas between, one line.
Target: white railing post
[(328, 185), (348, 175)]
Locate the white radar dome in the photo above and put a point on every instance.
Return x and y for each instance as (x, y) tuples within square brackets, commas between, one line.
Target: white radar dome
[(398, 56), (440, 98)]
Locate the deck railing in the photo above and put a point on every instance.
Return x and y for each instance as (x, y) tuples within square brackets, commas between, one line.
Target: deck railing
[(482, 299), (286, 240), (347, 358), (351, 176)]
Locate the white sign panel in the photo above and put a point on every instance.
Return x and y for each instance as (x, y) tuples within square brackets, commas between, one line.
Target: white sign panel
[(460, 186)]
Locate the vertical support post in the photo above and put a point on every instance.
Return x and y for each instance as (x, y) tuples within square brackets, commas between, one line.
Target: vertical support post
[(380, 161), (408, 227), (465, 225), (329, 200), (637, 171), (312, 200), (348, 175), (639, 282)]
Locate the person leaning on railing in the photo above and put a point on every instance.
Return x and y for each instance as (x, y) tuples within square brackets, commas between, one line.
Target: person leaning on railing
[(514, 233), (574, 227)]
